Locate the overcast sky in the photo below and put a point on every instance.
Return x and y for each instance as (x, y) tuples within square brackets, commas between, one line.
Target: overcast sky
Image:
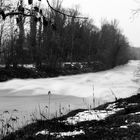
[(112, 9)]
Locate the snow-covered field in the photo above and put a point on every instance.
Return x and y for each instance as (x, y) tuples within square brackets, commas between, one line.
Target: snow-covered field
[(26, 94), (120, 79)]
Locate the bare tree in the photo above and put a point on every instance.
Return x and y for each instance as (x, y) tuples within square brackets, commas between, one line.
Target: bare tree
[(20, 10)]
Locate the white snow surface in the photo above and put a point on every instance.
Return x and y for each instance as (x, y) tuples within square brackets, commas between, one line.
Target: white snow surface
[(122, 80), (136, 113), (124, 126), (90, 115), (61, 134)]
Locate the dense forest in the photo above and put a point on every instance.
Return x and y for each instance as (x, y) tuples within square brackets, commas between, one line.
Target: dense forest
[(32, 34)]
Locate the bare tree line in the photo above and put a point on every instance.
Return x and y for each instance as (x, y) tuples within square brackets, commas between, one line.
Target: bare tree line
[(56, 35)]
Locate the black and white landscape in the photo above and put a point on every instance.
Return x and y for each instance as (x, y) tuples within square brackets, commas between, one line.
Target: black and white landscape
[(65, 76)]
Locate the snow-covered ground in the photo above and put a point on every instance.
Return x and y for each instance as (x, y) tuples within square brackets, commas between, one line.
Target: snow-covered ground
[(120, 79), (71, 90), (90, 115), (29, 96), (61, 134)]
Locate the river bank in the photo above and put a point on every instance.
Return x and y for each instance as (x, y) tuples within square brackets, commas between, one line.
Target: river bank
[(111, 121), (70, 90), (30, 71)]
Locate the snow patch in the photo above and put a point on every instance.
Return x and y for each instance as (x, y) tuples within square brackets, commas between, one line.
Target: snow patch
[(43, 132), (111, 106), (124, 126), (135, 123), (132, 104), (136, 113), (61, 134), (90, 115), (119, 79)]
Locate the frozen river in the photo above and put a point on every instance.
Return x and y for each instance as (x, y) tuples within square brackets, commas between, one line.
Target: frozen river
[(70, 92)]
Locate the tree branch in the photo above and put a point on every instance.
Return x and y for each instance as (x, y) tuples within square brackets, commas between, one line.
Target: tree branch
[(4, 15), (17, 13), (64, 13)]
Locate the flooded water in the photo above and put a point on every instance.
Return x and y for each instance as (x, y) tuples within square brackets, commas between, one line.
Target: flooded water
[(69, 92)]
